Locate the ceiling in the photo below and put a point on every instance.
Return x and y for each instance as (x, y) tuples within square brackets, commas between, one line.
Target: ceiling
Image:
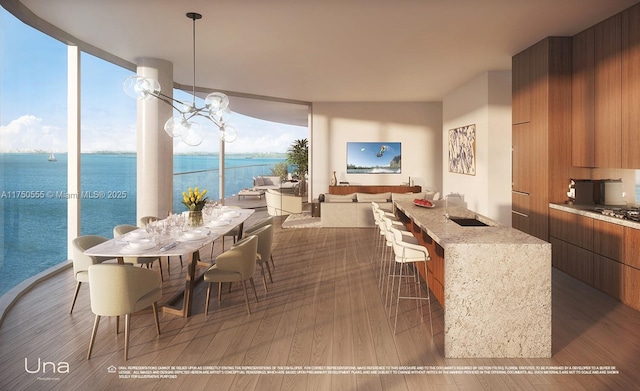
[(318, 51)]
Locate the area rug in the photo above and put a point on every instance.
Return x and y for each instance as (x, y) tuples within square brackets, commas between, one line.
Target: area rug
[(301, 220)]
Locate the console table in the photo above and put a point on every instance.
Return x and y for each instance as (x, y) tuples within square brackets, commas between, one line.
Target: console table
[(373, 189)]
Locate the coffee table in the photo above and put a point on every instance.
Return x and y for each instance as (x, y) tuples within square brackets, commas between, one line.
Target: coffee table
[(250, 193)]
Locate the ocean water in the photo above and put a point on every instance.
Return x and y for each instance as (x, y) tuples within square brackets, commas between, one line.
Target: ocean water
[(33, 200)]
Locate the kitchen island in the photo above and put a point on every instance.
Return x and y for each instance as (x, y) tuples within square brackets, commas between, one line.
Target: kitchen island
[(496, 282)]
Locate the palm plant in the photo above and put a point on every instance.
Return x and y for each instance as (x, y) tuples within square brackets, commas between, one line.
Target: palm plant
[(298, 155)]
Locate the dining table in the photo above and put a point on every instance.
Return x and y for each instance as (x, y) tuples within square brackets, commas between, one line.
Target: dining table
[(166, 242)]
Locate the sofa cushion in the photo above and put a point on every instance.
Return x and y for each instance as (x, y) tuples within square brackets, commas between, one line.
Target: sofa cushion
[(259, 181), (340, 198), (378, 197), (406, 196), (268, 181)]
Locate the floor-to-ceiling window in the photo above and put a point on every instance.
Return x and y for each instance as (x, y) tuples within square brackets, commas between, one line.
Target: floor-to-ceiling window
[(33, 138), (108, 145), (33, 151), (260, 146)]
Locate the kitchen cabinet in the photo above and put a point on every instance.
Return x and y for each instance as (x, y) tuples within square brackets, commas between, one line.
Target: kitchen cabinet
[(520, 95), (522, 157), (583, 100), (608, 92), (631, 87), (610, 261), (571, 228), (608, 239), (608, 276), (573, 260), (632, 247), (539, 157), (520, 210), (631, 287), (597, 85)]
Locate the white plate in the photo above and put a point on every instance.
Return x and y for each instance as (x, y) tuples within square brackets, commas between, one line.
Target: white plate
[(127, 249), (218, 223), (231, 214), (190, 238), (138, 234)]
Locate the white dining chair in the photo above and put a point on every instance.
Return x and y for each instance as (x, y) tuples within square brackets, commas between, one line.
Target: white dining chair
[(118, 290), (81, 262)]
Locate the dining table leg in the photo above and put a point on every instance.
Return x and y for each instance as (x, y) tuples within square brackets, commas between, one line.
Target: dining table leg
[(190, 283), (187, 296)]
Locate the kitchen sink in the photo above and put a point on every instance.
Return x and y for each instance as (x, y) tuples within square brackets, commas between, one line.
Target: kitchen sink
[(468, 222)]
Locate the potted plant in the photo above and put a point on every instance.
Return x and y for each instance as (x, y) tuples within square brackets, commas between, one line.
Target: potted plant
[(298, 155)]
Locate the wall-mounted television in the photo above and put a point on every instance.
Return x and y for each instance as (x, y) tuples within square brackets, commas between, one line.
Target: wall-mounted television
[(374, 157)]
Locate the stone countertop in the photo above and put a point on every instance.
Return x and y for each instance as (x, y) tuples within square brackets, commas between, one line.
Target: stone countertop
[(587, 210), (446, 232)]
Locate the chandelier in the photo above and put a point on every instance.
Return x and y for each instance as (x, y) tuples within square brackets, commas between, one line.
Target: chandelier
[(186, 125)]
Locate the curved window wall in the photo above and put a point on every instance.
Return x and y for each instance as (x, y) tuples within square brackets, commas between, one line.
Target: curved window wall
[(33, 125)]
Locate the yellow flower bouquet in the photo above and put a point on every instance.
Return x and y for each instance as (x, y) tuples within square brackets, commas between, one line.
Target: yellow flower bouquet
[(194, 199)]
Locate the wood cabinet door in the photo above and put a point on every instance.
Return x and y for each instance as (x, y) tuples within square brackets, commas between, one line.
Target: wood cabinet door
[(573, 260), (608, 92), (583, 100), (571, 228), (631, 87), (521, 100), (522, 158), (608, 239), (631, 287), (631, 254), (608, 276)]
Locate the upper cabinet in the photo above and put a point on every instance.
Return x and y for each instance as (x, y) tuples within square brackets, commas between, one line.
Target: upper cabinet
[(605, 88), (608, 92), (521, 100), (583, 100), (631, 87), (596, 102)]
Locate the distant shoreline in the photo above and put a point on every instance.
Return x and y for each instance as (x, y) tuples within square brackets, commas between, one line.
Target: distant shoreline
[(262, 155)]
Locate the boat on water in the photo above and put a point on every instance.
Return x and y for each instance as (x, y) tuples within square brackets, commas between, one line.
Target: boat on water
[(52, 157)]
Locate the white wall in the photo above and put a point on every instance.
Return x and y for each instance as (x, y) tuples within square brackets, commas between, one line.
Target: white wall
[(486, 102), (416, 125)]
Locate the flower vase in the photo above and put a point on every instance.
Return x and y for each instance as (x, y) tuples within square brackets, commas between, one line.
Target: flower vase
[(195, 218), (334, 180)]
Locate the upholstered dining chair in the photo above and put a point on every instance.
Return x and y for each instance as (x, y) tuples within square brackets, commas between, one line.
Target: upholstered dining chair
[(265, 241), (144, 220), (236, 264), (122, 229), (81, 262), (235, 232), (257, 226), (118, 290)]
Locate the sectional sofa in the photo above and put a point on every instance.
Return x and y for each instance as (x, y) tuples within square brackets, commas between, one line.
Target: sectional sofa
[(354, 210)]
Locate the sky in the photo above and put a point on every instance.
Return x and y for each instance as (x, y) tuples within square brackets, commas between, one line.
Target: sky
[(33, 101)]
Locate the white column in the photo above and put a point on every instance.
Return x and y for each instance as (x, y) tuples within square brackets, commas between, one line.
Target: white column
[(221, 172), (154, 146), (73, 145)]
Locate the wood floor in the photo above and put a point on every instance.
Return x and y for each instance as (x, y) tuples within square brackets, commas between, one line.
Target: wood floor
[(323, 317)]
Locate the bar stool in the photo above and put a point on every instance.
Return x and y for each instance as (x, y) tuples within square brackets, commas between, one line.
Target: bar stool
[(409, 254), (388, 266)]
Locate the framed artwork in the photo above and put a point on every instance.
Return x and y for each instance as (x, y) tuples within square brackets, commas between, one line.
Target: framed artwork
[(374, 158), (462, 150)]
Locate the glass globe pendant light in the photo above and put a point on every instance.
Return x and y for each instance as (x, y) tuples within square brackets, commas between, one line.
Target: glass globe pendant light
[(185, 125)]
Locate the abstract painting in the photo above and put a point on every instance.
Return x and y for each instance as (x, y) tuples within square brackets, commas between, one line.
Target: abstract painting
[(462, 150)]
